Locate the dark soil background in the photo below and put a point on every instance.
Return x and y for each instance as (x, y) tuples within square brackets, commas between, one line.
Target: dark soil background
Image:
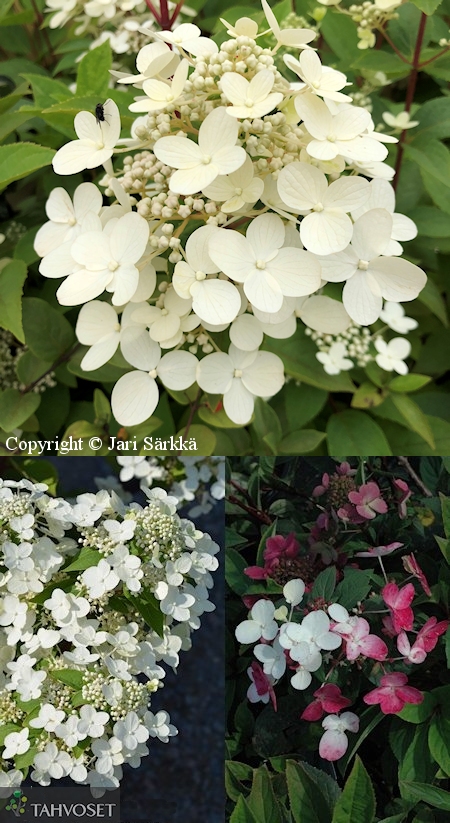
[(180, 781)]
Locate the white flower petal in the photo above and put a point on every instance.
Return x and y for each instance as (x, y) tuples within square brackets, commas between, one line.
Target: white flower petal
[(216, 301), (301, 186), (372, 233), (134, 398), (246, 332), (177, 152), (265, 376), (215, 372), (124, 284), (101, 352), (238, 404), (95, 321), (324, 314), (398, 279), (86, 198), (139, 349), (59, 262), (297, 272), (129, 239), (403, 228), (232, 254), (218, 131), (265, 234), (263, 291), (248, 632), (360, 302), (177, 370), (82, 286), (197, 249), (326, 232), (347, 193)]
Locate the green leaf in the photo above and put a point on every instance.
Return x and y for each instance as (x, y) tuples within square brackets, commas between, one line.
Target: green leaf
[(10, 100), (261, 800), (353, 588), (21, 761), (17, 160), (48, 333), (234, 571), (16, 408), (93, 72), (431, 297), (85, 559), (416, 763), (301, 442), (298, 354), (241, 813), (13, 120), (29, 368), (47, 90), (82, 431), (148, 607), (444, 545), (25, 247), (235, 774), (339, 32), (409, 382), (445, 509), (438, 739), (418, 713), (433, 159), (411, 444), (354, 432), (429, 794), (414, 417), (70, 677), (427, 6), (430, 221), (102, 408), (369, 719), (381, 60), (324, 585), (298, 405), (12, 278), (265, 428), (307, 803), (367, 396), (204, 438), (357, 801), (434, 119)]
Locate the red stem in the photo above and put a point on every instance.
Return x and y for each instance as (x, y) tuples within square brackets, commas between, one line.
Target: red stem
[(178, 8), (394, 47), (432, 59), (156, 14), (410, 93), (165, 16)]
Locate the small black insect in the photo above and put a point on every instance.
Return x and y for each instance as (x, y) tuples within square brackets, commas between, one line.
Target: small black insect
[(100, 115)]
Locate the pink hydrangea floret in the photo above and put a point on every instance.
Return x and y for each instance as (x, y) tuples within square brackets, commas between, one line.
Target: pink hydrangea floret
[(392, 693)]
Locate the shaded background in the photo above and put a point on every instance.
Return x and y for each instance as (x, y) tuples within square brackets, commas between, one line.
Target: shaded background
[(188, 769)]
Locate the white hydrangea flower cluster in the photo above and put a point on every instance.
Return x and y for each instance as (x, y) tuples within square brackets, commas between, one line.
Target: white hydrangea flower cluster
[(248, 195), (118, 21), (369, 16), (304, 641), (94, 597), (200, 479)]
